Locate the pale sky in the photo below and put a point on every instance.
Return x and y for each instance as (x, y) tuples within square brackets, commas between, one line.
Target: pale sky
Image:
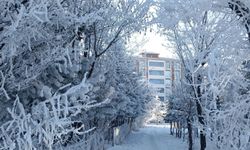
[(152, 42)]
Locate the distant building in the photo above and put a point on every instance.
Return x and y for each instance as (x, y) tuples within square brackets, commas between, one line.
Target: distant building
[(160, 73)]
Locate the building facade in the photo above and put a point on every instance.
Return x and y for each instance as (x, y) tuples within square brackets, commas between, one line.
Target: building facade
[(160, 73)]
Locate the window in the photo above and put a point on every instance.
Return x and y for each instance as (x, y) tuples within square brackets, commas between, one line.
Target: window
[(177, 66), (177, 75), (168, 82), (142, 63), (168, 67), (156, 81), (160, 90), (156, 64), (168, 74), (161, 98), (156, 72)]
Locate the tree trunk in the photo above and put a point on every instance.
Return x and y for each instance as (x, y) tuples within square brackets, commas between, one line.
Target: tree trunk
[(180, 129), (91, 70), (202, 140), (200, 115), (171, 128), (190, 134), (176, 129)]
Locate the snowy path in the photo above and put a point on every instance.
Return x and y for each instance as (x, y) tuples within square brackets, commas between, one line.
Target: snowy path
[(152, 137)]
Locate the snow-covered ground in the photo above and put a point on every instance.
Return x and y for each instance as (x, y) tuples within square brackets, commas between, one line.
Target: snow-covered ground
[(152, 137)]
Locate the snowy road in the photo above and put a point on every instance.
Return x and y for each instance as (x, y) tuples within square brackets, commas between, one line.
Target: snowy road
[(152, 137)]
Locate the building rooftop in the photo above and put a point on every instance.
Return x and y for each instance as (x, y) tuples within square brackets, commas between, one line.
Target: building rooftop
[(150, 55)]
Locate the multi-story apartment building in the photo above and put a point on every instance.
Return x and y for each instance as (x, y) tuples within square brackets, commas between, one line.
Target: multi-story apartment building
[(160, 73)]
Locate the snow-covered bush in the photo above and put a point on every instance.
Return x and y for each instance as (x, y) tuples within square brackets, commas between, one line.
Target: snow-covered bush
[(49, 121)]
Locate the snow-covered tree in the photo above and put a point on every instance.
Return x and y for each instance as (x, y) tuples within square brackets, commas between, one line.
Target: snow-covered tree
[(157, 111), (212, 47), (41, 37), (181, 111), (46, 49)]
